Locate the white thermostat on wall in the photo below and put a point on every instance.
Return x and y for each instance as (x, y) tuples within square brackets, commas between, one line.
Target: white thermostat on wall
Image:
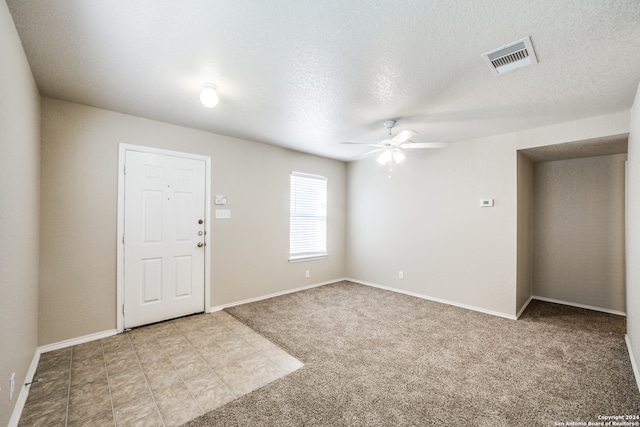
[(486, 203), (220, 199)]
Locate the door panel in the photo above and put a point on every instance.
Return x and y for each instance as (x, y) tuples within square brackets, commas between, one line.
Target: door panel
[(151, 281), (184, 201), (183, 276), (151, 217), (163, 265)]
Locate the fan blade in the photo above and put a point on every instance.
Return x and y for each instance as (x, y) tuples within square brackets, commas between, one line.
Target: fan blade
[(425, 145), (364, 144), (403, 136), (367, 153)]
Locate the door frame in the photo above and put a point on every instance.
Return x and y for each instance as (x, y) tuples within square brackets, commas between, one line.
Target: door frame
[(122, 151)]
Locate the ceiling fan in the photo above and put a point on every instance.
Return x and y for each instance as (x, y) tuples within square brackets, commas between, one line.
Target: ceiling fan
[(392, 148)]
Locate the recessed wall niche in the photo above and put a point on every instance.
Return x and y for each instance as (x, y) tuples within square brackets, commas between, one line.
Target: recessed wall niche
[(571, 223)]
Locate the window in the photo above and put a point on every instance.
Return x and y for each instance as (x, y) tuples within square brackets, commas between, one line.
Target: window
[(307, 217)]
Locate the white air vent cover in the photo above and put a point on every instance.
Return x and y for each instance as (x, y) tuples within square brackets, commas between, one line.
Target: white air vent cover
[(511, 57)]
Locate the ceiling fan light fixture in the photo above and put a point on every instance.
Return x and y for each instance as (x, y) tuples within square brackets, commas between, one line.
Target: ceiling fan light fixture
[(398, 155), (209, 96), (392, 149), (385, 156)]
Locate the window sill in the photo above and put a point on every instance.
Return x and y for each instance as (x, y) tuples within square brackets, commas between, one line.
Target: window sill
[(308, 257)]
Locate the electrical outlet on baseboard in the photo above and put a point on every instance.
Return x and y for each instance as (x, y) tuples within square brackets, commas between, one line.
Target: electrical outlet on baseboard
[(306, 274), (401, 275)]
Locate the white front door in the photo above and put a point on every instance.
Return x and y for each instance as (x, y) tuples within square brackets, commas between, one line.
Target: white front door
[(164, 214)]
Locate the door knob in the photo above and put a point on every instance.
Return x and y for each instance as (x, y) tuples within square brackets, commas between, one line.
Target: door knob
[(200, 221), (200, 233), (200, 244)]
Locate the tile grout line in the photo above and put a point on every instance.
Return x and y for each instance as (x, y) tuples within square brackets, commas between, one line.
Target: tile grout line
[(145, 376), (206, 363), (223, 324), (180, 375), (106, 372), (282, 372), (262, 352), (66, 415)]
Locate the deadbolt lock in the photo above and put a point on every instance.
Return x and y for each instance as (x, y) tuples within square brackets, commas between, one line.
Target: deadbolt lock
[(200, 221), (200, 244)]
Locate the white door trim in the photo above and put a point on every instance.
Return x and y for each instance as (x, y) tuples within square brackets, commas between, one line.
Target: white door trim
[(123, 148)]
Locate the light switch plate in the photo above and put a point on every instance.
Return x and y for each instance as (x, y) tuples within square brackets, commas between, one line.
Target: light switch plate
[(223, 214)]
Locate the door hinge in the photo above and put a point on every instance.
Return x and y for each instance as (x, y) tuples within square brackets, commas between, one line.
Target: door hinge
[(123, 309), (123, 239), (124, 169)]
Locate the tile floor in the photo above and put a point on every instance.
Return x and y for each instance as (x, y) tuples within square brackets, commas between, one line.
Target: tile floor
[(158, 375)]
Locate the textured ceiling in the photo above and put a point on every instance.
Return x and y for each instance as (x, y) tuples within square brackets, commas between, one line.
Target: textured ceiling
[(308, 74)]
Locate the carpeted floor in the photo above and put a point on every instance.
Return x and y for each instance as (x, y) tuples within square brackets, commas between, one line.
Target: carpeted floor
[(379, 358)]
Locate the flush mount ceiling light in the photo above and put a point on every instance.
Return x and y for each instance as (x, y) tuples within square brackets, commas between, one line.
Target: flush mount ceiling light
[(209, 96)]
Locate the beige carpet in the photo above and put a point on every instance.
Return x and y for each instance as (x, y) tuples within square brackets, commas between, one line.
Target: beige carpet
[(378, 358)]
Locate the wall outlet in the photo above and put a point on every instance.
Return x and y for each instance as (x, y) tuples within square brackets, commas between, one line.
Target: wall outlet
[(12, 385), (306, 274), (401, 275)]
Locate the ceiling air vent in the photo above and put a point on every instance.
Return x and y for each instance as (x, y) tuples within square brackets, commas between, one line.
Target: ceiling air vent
[(511, 57)]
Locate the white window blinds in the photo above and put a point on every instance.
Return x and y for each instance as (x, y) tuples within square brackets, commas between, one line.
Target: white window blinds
[(308, 216)]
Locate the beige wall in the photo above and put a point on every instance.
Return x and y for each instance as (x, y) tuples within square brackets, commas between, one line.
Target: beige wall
[(426, 221), (19, 223), (79, 206), (525, 231), (633, 232), (579, 231)]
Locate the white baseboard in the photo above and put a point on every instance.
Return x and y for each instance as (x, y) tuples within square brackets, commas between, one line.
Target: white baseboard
[(75, 341), (634, 365), (24, 391), (524, 307), (440, 300), (276, 294), (573, 304)]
